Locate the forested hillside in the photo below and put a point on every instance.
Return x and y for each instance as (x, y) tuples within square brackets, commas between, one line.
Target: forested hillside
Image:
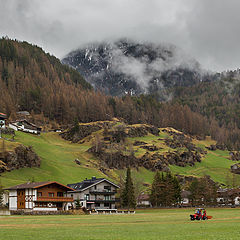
[(219, 100), (34, 81)]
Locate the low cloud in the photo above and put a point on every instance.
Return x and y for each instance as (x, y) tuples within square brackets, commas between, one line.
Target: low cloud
[(206, 30)]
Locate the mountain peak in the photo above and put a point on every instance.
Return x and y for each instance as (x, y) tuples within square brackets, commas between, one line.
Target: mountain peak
[(126, 66)]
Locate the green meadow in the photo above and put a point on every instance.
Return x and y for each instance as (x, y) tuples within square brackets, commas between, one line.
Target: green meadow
[(145, 224), (57, 163), (58, 155)]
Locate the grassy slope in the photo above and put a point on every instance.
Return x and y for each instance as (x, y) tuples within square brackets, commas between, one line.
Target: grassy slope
[(58, 161), (149, 224)]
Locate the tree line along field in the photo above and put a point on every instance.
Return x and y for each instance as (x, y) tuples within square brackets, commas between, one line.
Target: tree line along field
[(145, 224)]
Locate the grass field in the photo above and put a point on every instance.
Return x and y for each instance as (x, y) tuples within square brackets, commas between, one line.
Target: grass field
[(145, 224), (58, 164)]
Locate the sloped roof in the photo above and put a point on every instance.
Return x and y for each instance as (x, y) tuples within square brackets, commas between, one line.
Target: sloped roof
[(36, 185), (87, 183), (2, 115), (143, 197), (185, 194)]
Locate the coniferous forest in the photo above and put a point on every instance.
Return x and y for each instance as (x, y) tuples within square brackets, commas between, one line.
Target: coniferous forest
[(32, 80)]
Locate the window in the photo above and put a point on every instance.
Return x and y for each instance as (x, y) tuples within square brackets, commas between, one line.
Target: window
[(60, 194), (51, 194), (106, 204), (97, 204), (95, 187), (39, 194), (86, 196), (107, 188), (107, 197)]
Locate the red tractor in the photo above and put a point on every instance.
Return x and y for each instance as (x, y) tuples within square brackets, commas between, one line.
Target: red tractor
[(200, 214)]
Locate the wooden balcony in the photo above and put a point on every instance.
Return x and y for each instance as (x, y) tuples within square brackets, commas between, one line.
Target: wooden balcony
[(104, 200), (54, 199)]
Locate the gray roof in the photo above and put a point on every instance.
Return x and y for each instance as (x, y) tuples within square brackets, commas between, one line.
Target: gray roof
[(80, 186), (185, 194)]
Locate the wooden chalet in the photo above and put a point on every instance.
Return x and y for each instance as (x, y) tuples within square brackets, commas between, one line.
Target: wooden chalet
[(39, 196)]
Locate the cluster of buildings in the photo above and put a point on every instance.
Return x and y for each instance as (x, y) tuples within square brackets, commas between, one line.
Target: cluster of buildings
[(224, 197), (94, 193), (22, 124)]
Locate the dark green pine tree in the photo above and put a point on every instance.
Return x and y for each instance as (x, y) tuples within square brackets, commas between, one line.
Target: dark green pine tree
[(156, 190), (177, 190), (128, 198)]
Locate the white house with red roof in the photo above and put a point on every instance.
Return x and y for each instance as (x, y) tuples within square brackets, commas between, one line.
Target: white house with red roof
[(39, 196)]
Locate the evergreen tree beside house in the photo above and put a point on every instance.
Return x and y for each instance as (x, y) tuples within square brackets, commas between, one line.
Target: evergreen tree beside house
[(128, 198)]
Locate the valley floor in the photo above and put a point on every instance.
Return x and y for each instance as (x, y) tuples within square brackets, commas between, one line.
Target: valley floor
[(145, 224)]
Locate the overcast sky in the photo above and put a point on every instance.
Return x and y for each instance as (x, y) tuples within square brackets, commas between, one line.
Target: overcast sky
[(209, 30)]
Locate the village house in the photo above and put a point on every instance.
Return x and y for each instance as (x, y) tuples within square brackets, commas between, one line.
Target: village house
[(228, 196), (25, 126), (143, 200), (3, 118), (185, 198), (95, 193), (39, 196)]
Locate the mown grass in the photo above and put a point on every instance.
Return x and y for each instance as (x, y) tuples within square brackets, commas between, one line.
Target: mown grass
[(164, 224)]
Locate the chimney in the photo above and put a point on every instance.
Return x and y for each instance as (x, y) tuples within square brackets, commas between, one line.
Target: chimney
[(93, 178)]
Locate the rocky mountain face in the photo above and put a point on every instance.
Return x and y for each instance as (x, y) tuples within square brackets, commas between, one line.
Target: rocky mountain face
[(21, 157), (115, 147), (128, 67)]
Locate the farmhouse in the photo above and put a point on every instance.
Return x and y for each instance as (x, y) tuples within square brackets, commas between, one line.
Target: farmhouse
[(3, 118), (95, 193), (25, 126), (228, 196), (143, 200), (39, 196)]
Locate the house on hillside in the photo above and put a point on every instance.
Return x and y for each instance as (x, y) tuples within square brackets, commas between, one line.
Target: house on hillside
[(95, 193), (3, 118), (22, 114), (39, 196), (25, 126)]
